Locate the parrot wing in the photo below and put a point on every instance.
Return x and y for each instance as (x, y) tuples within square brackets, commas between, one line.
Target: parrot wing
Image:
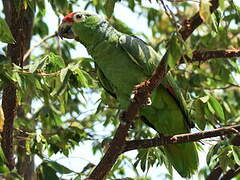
[(170, 84), (147, 59), (106, 84), (140, 53)]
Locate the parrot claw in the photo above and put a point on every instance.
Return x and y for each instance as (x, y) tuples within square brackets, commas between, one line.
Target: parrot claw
[(149, 101), (132, 97)]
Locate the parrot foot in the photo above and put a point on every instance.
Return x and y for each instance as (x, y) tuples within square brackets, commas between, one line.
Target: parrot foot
[(148, 102), (141, 90), (132, 97)]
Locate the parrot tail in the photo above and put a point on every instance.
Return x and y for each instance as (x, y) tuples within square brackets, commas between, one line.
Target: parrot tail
[(183, 157)]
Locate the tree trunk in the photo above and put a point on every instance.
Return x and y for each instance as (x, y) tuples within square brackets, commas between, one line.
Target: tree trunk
[(20, 21)]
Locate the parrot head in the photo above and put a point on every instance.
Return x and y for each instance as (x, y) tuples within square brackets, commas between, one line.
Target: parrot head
[(66, 28)]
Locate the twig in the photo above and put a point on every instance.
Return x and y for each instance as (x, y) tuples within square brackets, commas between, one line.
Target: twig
[(229, 87), (38, 74), (27, 54), (169, 13), (181, 138)]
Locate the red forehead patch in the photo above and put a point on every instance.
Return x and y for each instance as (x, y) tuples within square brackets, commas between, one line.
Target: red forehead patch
[(69, 18)]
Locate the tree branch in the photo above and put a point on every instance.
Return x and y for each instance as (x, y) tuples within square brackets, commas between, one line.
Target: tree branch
[(27, 54), (189, 25), (203, 56), (215, 173), (20, 21), (231, 173), (142, 91), (181, 138)]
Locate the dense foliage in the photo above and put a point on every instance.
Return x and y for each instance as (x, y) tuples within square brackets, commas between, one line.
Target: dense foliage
[(61, 104)]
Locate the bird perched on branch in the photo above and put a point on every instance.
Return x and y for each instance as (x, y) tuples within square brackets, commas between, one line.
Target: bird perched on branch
[(124, 61)]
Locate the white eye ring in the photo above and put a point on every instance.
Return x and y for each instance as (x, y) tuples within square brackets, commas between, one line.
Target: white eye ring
[(78, 17)]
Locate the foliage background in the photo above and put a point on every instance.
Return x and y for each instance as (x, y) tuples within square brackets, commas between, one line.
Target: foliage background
[(61, 105)]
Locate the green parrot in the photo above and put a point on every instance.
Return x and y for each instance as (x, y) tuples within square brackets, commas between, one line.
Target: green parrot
[(124, 61)]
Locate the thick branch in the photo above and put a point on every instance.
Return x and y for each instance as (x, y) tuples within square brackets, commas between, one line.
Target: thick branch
[(181, 138), (215, 173), (230, 174), (202, 56), (189, 25), (142, 92)]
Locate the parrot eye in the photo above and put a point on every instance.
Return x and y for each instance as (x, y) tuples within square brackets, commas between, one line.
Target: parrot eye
[(78, 17)]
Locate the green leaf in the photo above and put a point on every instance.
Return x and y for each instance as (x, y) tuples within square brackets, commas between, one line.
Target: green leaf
[(221, 4), (210, 108), (199, 118), (81, 77), (3, 59), (214, 23), (174, 51), (58, 167), (45, 172), (3, 169), (236, 154), (25, 4), (131, 4), (63, 73), (2, 156), (57, 60), (217, 108), (212, 152), (109, 7), (226, 107), (143, 164), (5, 33), (18, 79), (223, 160), (204, 99), (60, 87), (37, 65), (78, 177), (204, 10)]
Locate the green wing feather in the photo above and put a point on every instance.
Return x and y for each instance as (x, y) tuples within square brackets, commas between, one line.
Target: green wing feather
[(106, 84), (171, 84), (141, 53)]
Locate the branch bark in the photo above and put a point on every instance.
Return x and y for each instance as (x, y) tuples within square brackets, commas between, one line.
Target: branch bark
[(203, 56), (181, 138), (20, 21), (230, 174), (143, 90), (189, 25), (215, 174)]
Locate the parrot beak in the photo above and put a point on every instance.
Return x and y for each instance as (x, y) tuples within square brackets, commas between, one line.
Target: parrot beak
[(65, 31)]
